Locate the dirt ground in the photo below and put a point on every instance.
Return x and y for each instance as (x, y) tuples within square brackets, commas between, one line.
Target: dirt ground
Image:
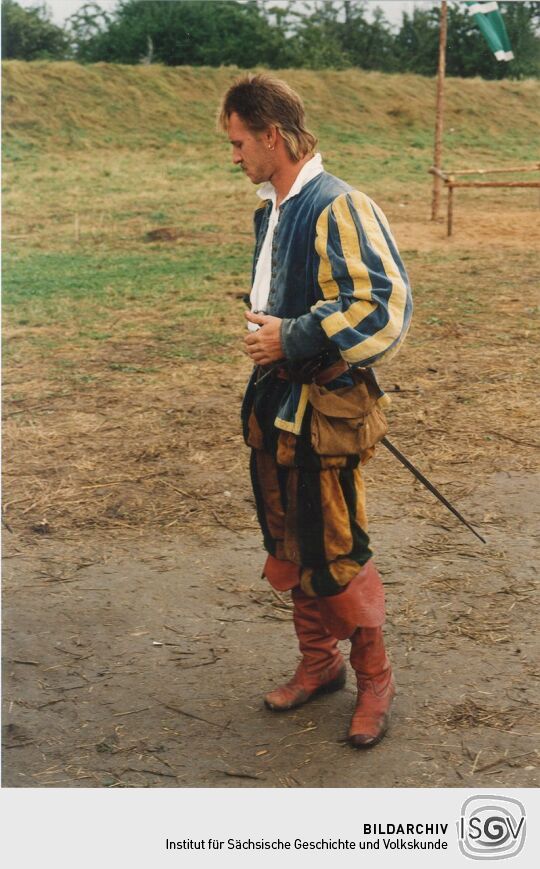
[(142, 664), (138, 638)]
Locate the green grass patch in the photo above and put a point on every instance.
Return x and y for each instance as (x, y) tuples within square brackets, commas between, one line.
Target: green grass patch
[(113, 279)]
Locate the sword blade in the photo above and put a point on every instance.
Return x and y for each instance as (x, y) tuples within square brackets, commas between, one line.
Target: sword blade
[(419, 476)]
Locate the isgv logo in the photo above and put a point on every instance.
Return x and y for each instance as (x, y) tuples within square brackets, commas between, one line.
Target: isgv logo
[(491, 827)]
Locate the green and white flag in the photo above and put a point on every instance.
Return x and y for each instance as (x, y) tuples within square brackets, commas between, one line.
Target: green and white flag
[(491, 23)]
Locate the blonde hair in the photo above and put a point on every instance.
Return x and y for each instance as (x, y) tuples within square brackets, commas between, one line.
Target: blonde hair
[(262, 101)]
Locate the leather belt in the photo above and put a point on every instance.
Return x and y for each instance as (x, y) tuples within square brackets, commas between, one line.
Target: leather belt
[(320, 378)]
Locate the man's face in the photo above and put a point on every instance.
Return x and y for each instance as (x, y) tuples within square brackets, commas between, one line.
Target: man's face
[(250, 151)]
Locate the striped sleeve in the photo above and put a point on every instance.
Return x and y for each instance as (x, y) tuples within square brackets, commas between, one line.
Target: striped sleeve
[(365, 301)]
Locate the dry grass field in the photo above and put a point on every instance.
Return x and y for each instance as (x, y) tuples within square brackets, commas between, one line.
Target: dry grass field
[(132, 552)]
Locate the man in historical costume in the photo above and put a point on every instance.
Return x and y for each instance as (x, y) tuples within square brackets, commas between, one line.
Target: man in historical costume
[(330, 298)]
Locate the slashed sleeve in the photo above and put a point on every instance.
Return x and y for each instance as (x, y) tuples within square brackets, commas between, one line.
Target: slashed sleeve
[(364, 302)]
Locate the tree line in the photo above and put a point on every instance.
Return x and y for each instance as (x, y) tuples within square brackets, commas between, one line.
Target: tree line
[(315, 34)]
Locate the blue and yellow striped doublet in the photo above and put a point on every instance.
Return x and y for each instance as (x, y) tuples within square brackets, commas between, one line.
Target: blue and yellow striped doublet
[(337, 281)]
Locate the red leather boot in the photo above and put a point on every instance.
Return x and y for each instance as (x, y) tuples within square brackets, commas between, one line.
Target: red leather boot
[(321, 669), (376, 688), (362, 603)]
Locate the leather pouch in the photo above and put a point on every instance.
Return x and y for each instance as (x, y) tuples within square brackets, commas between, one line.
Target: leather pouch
[(346, 421)]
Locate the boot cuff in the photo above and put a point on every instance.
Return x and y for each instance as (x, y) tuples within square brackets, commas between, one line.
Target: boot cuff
[(282, 575), (360, 605)]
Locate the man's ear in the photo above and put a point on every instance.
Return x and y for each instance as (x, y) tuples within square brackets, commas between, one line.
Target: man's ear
[(271, 136)]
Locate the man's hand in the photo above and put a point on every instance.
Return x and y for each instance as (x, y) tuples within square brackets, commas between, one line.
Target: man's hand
[(264, 345)]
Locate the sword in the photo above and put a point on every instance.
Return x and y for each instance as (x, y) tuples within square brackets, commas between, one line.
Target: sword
[(419, 476)]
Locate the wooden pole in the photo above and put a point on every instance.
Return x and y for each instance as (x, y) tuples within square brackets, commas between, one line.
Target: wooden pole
[(439, 113), (450, 215), (534, 167), (495, 183)]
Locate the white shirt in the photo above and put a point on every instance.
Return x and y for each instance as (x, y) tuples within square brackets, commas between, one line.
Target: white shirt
[(261, 283)]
